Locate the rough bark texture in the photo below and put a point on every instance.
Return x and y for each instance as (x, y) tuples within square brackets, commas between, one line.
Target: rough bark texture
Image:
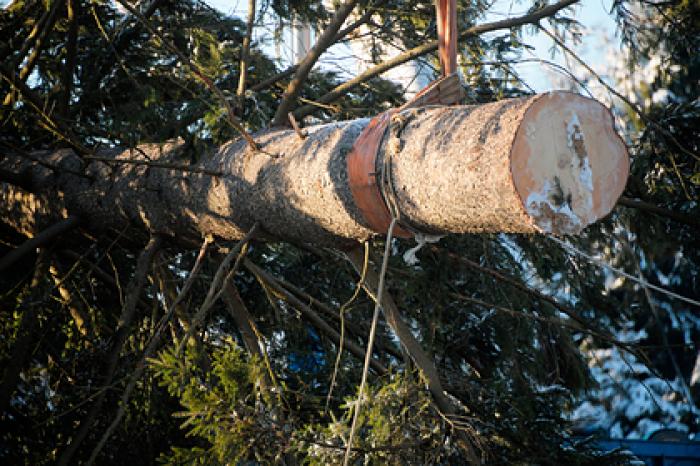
[(450, 166), (473, 169)]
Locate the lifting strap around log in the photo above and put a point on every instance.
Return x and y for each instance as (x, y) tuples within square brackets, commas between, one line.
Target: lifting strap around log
[(367, 190), (447, 35)]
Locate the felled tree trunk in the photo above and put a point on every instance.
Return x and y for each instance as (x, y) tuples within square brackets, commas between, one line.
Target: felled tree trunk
[(547, 163)]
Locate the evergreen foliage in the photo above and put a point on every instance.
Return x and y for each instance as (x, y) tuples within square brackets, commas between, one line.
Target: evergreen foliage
[(517, 366)]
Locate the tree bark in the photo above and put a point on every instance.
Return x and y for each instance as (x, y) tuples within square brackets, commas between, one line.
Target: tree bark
[(546, 163)]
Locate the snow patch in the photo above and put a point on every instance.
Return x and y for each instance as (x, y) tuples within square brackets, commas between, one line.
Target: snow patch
[(565, 207), (573, 130), (542, 207)]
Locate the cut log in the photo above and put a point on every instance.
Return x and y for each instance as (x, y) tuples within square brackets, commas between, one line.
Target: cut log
[(550, 163), (547, 163)]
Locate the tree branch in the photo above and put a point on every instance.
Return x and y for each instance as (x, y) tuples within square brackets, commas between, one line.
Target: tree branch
[(220, 277), (341, 90), (245, 50), (128, 310), (421, 358), (21, 347), (75, 308), (334, 314), (150, 350), (340, 36), (38, 42), (244, 321), (71, 54), (326, 40), (314, 318), (512, 282), (55, 127), (660, 211), (39, 240), (232, 119)]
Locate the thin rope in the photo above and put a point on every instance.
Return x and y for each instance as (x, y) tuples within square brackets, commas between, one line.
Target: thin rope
[(639, 281), (370, 342), (341, 313)]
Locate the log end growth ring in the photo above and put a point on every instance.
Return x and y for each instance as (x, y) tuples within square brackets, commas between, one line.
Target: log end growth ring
[(568, 164)]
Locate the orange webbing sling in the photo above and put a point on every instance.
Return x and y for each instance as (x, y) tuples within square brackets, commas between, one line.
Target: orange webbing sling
[(362, 159)]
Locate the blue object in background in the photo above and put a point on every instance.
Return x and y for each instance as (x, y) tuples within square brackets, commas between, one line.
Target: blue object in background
[(656, 453)]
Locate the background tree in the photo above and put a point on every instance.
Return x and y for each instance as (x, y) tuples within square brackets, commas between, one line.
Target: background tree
[(118, 348)]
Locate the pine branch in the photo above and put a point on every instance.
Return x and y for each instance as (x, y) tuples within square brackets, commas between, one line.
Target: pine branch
[(39, 240), (57, 128), (133, 293), (197, 72), (324, 41), (309, 313), (341, 90), (150, 350)]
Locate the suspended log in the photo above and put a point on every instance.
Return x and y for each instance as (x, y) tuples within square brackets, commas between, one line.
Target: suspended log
[(548, 163)]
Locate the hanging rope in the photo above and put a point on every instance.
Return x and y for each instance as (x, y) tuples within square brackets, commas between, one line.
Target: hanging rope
[(370, 342), (372, 186)]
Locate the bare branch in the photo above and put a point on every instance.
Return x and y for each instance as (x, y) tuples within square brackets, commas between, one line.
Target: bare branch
[(341, 90), (421, 358), (326, 40), (312, 316), (660, 211), (150, 350), (39, 240), (123, 326), (245, 50), (216, 288), (340, 36), (244, 321)]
